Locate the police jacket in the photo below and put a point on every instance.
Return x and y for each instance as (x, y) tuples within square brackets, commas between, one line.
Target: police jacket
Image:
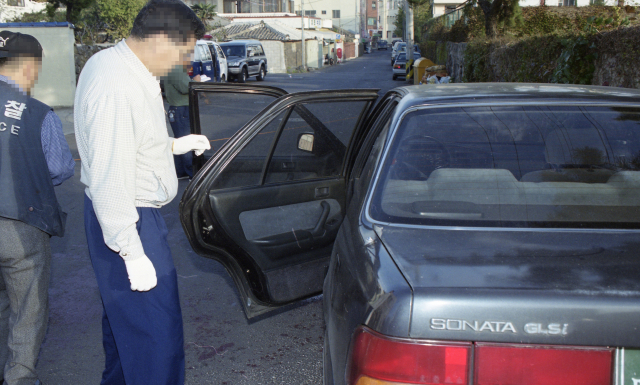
[(27, 193)]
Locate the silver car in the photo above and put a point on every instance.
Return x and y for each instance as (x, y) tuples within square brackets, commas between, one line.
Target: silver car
[(245, 58), (397, 47), (400, 66)]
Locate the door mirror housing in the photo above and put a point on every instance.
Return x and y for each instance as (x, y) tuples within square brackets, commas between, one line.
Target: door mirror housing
[(305, 142)]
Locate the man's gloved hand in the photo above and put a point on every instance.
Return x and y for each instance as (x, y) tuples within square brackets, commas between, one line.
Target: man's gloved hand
[(142, 274), (197, 143)]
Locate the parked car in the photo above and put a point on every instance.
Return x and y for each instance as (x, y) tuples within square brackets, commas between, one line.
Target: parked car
[(397, 47), (245, 58), (460, 234), (206, 53), (400, 66), (382, 44), (416, 52)]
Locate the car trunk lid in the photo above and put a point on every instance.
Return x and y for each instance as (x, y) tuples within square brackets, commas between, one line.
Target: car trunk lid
[(568, 287)]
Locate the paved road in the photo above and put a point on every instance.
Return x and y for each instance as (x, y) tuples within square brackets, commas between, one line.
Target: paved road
[(222, 346)]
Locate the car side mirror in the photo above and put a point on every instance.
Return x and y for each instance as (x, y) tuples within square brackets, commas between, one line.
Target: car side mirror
[(305, 142)]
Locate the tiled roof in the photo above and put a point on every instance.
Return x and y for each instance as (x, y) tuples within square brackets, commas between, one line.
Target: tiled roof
[(259, 31), (269, 30), (43, 24)]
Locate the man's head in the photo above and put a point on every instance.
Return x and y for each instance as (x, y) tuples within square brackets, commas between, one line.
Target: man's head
[(164, 33), (20, 58)]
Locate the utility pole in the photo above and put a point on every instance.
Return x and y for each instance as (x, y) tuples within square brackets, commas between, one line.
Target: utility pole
[(384, 20), (408, 27), (302, 41)]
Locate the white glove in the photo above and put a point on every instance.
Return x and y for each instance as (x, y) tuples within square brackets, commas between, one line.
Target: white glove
[(142, 274), (197, 143)]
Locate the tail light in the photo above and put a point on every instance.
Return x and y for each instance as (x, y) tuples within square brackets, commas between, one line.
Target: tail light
[(376, 359), (381, 360), (398, 66), (501, 364)]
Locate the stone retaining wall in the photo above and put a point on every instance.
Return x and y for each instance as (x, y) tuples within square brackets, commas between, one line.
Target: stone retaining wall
[(455, 61), (83, 52)]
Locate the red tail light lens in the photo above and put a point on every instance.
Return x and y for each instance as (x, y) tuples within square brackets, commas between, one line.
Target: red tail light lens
[(499, 364), (378, 359)]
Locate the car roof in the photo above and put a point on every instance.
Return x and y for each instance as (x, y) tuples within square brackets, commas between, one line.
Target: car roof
[(241, 42), (207, 42), (512, 92)]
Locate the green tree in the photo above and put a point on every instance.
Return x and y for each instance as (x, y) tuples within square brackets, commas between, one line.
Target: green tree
[(118, 15), (36, 17), (498, 12), (399, 23), (204, 11), (422, 13), (74, 7)]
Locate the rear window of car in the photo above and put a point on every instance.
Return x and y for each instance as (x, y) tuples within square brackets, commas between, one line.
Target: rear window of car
[(402, 57), (524, 166), (233, 50)]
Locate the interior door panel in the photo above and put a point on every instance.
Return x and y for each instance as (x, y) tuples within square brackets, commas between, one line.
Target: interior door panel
[(272, 221), (233, 207), (271, 208)]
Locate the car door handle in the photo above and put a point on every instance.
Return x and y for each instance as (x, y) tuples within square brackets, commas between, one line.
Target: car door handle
[(319, 230), (322, 192)]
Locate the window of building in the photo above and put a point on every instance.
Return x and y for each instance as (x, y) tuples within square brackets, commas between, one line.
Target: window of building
[(324, 12), (15, 3), (373, 4), (336, 13), (309, 13), (371, 21)]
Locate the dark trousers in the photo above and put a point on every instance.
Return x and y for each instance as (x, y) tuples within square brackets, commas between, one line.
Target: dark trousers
[(142, 331), (181, 127), (25, 263)]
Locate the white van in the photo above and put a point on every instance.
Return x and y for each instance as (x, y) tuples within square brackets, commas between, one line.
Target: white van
[(205, 53)]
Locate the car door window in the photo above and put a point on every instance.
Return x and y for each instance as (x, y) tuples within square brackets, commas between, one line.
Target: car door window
[(327, 128), (247, 167), (220, 53)]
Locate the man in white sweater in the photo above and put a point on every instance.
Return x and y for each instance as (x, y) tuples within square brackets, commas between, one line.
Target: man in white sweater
[(128, 170)]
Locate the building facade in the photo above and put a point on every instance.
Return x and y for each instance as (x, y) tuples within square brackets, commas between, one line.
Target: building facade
[(342, 13), (10, 9)]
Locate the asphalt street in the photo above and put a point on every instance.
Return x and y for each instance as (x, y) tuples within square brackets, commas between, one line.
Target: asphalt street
[(221, 345)]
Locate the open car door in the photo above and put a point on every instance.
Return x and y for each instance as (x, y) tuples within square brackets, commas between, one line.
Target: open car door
[(268, 204)]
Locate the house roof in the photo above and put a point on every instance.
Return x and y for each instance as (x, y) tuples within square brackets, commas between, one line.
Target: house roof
[(257, 31), (42, 24)]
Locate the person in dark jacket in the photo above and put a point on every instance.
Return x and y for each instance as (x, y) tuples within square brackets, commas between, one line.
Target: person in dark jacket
[(34, 156), (176, 88)]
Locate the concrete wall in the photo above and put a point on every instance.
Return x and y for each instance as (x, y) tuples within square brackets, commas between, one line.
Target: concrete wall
[(275, 56), (57, 82), (293, 56), (314, 53)]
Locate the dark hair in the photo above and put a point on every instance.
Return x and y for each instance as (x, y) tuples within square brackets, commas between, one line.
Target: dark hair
[(171, 17)]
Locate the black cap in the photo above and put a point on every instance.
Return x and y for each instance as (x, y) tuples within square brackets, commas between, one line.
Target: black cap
[(18, 44)]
